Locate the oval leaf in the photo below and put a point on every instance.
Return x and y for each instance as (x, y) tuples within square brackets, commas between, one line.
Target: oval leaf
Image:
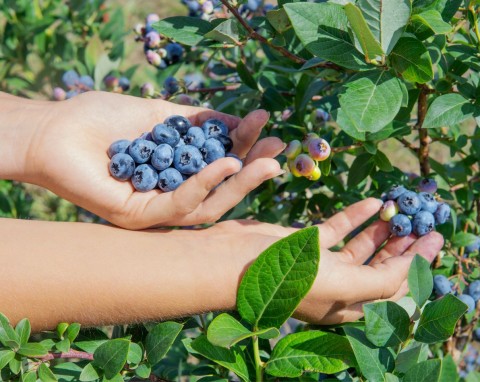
[(386, 323), (448, 110), (111, 356), (420, 280), (427, 371), (160, 339), (185, 30), (411, 59)]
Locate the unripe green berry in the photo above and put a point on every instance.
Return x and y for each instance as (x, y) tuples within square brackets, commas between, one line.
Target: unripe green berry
[(388, 210), (293, 149)]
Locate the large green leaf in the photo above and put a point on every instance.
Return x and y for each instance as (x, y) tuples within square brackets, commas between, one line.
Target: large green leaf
[(387, 20), (280, 277), (233, 359), (32, 349), (411, 59), (361, 167), (185, 30), (449, 370), (427, 371), (23, 330), (372, 99), (432, 19), (228, 32), (5, 357), (45, 374), (111, 356), (323, 30), (420, 280), (448, 110), (386, 323), (310, 351), (370, 47), (439, 318), (372, 362), (8, 336), (160, 339), (411, 355)]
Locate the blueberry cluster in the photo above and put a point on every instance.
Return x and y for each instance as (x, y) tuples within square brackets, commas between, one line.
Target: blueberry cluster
[(303, 157), (203, 9), (471, 358), (116, 84), (409, 211), (471, 295), (159, 51), (168, 155)]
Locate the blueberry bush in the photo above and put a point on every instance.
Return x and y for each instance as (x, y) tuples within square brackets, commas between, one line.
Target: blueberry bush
[(391, 86)]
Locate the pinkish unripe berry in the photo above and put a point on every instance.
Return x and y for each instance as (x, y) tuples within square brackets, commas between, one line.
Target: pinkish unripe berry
[(304, 165), (388, 210), (139, 29), (316, 174), (110, 82), (152, 18), (293, 149), (152, 39), (319, 149), (59, 94), (287, 113), (184, 99), (153, 58), (147, 90), (306, 140), (207, 7), (322, 115)]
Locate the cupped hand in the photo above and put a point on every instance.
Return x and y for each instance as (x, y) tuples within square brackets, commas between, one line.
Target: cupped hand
[(344, 282), (69, 156)]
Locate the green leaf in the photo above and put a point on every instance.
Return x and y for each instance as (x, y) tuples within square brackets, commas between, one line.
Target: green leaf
[(185, 30), (111, 356), (372, 362), (89, 373), (143, 371), (23, 329), (387, 20), (72, 332), (361, 167), (160, 339), (382, 162), (103, 68), (32, 350), (411, 355), (93, 51), (246, 76), (411, 59), (5, 357), (449, 370), (432, 19), (372, 99), (279, 20), (439, 318), (29, 376), (61, 327), (45, 374), (89, 346), (227, 32), (15, 364), (8, 336), (233, 359), (420, 280), (135, 354), (462, 239), (310, 351), (63, 345), (279, 279), (323, 30), (386, 323), (448, 110), (370, 47), (427, 371)]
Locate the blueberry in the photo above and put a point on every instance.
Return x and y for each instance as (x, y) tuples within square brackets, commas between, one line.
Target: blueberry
[(442, 214), (423, 223), (169, 179), (145, 178), (179, 123), (193, 6), (468, 300), (120, 146), (395, 192), (147, 136), (428, 202), (162, 157), (226, 141), (293, 149), (124, 83), (427, 185), (473, 247), (70, 78), (110, 82), (400, 225), (147, 90), (409, 203), (163, 133), (212, 150), (122, 166), (171, 85), (476, 336), (252, 5), (141, 150), (174, 52), (474, 290), (187, 159), (214, 127), (59, 94), (87, 82), (181, 142), (442, 285), (71, 94), (195, 137)]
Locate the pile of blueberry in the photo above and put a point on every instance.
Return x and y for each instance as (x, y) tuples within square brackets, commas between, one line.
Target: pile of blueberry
[(470, 296), (159, 51), (203, 9), (303, 157), (408, 211), (168, 155)]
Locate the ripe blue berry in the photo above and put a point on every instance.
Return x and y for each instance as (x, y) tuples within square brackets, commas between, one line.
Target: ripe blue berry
[(442, 214), (427, 185), (72, 93), (409, 203), (120, 146), (147, 136), (86, 82), (473, 247), (122, 166), (171, 85), (162, 157), (468, 300), (124, 83), (395, 192), (187, 159), (226, 141), (179, 123), (174, 52), (423, 223), (169, 179), (214, 127), (195, 137), (70, 79), (474, 290), (145, 178), (400, 225), (442, 285), (212, 150), (163, 133), (428, 202), (476, 336), (141, 150)]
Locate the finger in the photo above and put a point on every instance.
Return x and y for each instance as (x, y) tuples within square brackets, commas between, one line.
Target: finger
[(395, 247), (364, 245), (341, 224), (198, 115), (185, 199), (266, 148), (232, 191), (248, 131)]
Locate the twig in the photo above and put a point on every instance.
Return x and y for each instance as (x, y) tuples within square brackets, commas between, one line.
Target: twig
[(424, 149), (346, 148), (466, 184), (408, 145), (215, 89), (68, 354)]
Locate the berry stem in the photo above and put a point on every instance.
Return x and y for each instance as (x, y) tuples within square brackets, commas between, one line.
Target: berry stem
[(424, 149), (258, 361)]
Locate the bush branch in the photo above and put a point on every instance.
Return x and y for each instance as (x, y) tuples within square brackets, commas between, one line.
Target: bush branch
[(424, 149), (68, 354)]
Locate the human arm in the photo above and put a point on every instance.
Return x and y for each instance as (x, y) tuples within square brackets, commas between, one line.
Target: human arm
[(99, 275), (62, 146)]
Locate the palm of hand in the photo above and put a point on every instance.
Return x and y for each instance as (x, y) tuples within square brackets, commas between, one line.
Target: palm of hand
[(73, 162)]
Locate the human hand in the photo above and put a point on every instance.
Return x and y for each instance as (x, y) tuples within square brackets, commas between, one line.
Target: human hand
[(69, 158), (344, 283)]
